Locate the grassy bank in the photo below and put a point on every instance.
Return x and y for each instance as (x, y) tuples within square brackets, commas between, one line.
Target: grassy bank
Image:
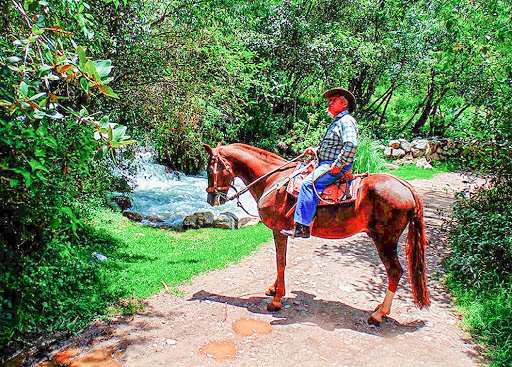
[(65, 287), (146, 256)]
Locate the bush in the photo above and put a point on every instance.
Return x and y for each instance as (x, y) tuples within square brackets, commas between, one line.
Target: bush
[(56, 288), (480, 267), (481, 239)]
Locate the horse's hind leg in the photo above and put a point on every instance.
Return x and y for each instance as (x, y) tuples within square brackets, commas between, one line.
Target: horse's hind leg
[(278, 288), (387, 247)]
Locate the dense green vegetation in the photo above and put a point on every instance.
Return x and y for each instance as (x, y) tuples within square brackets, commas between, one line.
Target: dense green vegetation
[(80, 76), (480, 267)]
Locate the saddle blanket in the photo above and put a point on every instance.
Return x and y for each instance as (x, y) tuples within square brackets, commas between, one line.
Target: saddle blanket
[(341, 191)]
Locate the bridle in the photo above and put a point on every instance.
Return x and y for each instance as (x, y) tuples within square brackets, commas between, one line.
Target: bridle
[(219, 160)]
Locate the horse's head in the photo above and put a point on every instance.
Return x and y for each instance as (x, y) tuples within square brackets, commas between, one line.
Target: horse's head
[(220, 176)]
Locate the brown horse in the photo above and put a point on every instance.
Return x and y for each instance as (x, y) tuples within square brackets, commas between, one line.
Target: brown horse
[(384, 207)]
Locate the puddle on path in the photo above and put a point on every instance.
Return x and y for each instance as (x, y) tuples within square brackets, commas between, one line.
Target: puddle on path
[(97, 358), (219, 350), (248, 327)]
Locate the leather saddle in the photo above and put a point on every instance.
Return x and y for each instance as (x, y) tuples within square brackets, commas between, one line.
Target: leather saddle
[(342, 191)]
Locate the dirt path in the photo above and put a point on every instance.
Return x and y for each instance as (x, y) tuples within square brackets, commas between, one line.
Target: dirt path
[(332, 285)]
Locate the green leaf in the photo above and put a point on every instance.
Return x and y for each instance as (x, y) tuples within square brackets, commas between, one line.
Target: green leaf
[(39, 114), (40, 152), (118, 132), (90, 70), (50, 140), (55, 115), (85, 85), (100, 153), (14, 59), (36, 30), (35, 165), (106, 90), (26, 175), (37, 96), (127, 142), (14, 182), (43, 69), (81, 56), (103, 67), (23, 88), (55, 223)]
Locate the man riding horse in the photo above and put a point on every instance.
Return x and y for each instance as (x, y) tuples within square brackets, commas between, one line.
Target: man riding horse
[(335, 154)]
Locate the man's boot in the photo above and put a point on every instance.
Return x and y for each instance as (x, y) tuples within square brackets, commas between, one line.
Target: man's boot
[(300, 230)]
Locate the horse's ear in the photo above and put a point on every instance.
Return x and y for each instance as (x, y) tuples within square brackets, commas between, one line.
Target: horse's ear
[(207, 148)]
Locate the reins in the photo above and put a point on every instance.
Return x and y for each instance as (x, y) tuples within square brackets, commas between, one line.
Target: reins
[(246, 188)]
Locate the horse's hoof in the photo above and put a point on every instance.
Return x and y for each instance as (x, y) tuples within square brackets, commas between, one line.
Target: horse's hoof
[(372, 321), (273, 307), (270, 292)]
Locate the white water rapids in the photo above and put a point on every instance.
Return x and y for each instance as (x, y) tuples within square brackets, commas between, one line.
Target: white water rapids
[(170, 196)]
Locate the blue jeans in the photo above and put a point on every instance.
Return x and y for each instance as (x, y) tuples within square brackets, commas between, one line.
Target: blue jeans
[(307, 200)]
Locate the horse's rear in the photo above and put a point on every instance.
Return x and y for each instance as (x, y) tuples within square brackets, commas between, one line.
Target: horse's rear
[(384, 206)]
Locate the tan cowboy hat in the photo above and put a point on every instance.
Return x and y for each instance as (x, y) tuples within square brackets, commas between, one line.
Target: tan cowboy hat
[(342, 92)]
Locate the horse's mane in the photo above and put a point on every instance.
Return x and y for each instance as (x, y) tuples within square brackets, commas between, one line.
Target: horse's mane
[(266, 154)]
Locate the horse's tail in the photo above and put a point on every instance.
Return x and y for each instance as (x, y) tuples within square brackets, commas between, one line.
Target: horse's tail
[(416, 248)]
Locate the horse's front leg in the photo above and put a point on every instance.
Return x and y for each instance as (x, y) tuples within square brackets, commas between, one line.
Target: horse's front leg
[(278, 289)]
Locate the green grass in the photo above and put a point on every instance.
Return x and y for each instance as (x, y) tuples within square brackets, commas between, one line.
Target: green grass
[(64, 287), (146, 256), (488, 317), (411, 172)]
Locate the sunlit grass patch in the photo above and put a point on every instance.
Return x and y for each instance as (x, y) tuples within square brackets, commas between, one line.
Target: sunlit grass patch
[(411, 171), (146, 256)]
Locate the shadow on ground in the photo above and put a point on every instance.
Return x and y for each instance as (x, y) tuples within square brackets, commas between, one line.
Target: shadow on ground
[(306, 308)]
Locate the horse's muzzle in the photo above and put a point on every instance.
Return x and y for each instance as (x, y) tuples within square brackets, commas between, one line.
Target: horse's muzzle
[(215, 198)]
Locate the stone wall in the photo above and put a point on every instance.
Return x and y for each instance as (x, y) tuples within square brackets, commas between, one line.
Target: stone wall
[(402, 151)]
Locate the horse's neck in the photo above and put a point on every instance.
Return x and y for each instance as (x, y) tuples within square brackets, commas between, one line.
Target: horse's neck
[(250, 165)]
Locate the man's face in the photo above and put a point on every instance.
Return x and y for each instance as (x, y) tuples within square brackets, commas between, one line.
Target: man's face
[(336, 105)]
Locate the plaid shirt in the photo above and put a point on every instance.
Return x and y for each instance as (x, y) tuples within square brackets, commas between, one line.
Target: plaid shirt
[(339, 143)]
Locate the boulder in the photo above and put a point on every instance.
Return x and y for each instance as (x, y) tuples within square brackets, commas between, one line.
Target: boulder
[(198, 220), (248, 221), (123, 202), (380, 147), (154, 219), (405, 145), (133, 216), (420, 144), (190, 222), (421, 163), (417, 152), (390, 166), (397, 153), (408, 159), (226, 220), (395, 144), (388, 151)]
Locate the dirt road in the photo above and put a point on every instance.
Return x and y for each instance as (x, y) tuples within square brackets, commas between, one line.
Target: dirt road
[(332, 285)]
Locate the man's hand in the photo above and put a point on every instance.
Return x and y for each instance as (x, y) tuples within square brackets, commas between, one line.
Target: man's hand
[(311, 151), (334, 170)]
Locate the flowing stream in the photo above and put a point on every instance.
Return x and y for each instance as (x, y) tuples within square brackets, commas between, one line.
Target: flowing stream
[(169, 196)]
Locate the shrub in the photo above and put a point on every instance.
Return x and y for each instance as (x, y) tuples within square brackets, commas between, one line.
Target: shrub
[(479, 267)]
